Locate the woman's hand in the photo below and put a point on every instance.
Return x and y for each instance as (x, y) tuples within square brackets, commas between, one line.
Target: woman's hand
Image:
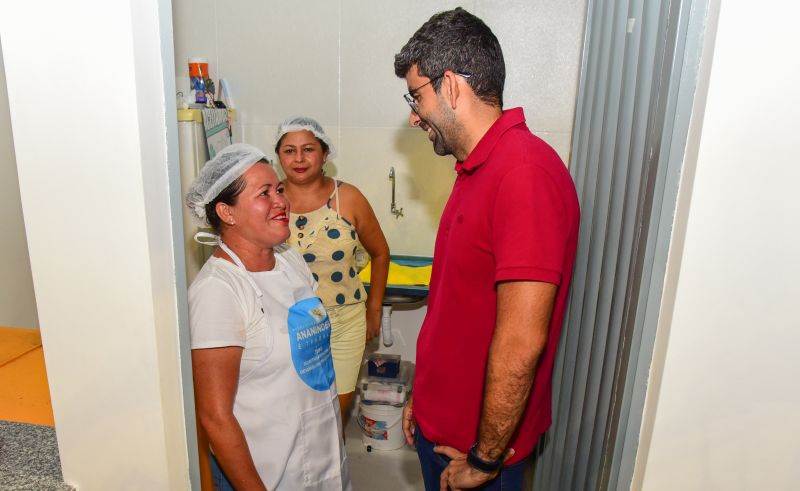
[(373, 323)]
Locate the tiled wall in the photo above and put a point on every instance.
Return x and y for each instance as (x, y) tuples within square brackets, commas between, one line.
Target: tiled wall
[(333, 60)]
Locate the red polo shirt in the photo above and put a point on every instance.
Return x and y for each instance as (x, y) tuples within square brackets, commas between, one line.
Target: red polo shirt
[(512, 215)]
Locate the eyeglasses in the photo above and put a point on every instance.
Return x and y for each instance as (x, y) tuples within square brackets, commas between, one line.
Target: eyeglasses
[(412, 100)]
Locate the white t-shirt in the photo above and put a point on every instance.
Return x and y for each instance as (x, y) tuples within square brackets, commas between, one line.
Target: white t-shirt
[(225, 311)]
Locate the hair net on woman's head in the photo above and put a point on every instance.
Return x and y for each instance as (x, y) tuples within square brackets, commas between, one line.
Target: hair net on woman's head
[(219, 173), (303, 123)]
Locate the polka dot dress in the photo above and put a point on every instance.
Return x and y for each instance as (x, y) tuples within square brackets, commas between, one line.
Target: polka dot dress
[(329, 243)]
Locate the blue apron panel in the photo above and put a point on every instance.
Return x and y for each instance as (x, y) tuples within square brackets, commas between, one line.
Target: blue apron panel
[(310, 338)]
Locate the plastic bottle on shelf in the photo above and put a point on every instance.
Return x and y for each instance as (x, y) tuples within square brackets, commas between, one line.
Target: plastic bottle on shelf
[(198, 74)]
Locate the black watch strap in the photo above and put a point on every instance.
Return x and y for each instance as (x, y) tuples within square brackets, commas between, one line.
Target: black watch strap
[(487, 466)]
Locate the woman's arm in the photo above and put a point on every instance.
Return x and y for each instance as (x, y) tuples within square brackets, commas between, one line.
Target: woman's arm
[(371, 237), (216, 376)]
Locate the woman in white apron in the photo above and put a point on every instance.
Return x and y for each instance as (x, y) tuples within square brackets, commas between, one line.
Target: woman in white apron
[(260, 338)]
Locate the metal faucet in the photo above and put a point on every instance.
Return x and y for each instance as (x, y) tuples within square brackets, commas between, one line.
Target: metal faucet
[(397, 212)]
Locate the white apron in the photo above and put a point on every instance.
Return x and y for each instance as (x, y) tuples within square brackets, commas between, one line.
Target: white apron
[(287, 404)]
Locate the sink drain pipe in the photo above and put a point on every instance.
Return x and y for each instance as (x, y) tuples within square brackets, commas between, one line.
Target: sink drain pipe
[(386, 326)]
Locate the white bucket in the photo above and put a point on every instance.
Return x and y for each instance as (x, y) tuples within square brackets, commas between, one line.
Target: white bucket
[(381, 426)]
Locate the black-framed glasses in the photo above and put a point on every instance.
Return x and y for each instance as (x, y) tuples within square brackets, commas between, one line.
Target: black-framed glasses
[(412, 101)]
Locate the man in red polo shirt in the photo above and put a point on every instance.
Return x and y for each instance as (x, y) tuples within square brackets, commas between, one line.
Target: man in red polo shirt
[(501, 268)]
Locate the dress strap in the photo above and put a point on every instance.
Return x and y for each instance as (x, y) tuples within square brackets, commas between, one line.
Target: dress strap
[(335, 194)]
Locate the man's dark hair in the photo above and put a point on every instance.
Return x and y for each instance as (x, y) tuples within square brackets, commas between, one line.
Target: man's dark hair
[(458, 41)]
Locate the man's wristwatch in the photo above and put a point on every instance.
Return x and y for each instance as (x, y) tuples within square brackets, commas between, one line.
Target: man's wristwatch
[(487, 466)]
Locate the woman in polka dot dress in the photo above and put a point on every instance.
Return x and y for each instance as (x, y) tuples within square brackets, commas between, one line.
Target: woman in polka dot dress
[(328, 219)]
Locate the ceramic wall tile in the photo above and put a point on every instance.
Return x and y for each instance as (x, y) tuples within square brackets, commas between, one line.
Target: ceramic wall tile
[(261, 136), (541, 44), (561, 143), (423, 182), (372, 33), (282, 58)]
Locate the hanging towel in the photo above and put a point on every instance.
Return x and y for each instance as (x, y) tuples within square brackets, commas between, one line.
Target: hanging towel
[(402, 275)]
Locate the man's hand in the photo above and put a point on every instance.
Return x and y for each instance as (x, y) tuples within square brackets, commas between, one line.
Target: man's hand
[(459, 474), (409, 425)]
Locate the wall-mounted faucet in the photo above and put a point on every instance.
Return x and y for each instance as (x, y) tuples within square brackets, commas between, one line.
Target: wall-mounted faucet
[(397, 212)]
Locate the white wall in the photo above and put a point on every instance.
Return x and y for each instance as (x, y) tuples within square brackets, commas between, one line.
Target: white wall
[(723, 405), (333, 60), (17, 301), (88, 104)]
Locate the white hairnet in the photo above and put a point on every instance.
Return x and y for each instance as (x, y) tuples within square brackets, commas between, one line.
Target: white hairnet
[(301, 123), (219, 173)]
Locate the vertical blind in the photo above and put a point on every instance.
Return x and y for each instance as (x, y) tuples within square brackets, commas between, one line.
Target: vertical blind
[(636, 91)]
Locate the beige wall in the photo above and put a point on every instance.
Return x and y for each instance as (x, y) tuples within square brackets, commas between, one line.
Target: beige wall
[(723, 402), (17, 301), (333, 60)]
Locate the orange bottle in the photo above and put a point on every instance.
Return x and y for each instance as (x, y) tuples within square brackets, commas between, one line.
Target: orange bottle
[(198, 74)]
